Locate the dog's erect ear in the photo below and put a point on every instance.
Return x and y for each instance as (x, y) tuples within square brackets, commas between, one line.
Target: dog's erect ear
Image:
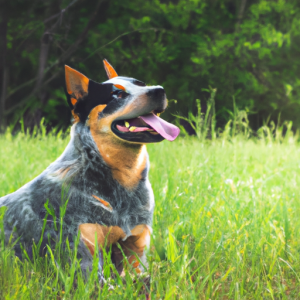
[(76, 84), (110, 71), (84, 94)]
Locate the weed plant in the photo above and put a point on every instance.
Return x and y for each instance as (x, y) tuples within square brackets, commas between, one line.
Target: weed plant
[(226, 222)]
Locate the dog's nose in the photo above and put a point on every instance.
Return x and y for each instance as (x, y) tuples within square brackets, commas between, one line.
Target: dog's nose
[(158, 93), (158, 99)]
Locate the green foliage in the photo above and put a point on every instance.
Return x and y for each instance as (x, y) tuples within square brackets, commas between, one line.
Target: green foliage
[(249, 53), (238, 127), (226, 221), (202, 123)]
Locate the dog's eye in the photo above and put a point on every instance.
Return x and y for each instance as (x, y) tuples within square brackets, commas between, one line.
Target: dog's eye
[(119, 94), (122, 94)]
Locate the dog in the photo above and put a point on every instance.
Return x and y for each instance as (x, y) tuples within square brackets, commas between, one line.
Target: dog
[(103, 171)]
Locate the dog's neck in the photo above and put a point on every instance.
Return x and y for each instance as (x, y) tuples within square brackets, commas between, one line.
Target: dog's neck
[(128, 162)]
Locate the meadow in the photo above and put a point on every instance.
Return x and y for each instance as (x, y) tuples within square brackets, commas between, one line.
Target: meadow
[(226, 222)]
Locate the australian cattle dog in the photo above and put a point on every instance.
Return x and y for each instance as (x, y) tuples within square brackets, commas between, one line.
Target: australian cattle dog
[(105, 169)]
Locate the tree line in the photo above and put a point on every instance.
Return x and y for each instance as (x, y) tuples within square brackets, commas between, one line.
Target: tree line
[(246, 50)]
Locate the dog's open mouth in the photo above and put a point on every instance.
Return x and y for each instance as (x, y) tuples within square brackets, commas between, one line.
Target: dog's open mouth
[(151, 124)]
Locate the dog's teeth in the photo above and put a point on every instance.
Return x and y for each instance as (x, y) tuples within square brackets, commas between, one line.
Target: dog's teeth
[(158, 114), (126, 124), (132, 128)]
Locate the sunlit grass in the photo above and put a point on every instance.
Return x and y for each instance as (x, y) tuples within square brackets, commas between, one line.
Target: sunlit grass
[(226, 223)]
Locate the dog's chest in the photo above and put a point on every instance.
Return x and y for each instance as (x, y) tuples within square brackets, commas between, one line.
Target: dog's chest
[(122, 205), (99, 198)]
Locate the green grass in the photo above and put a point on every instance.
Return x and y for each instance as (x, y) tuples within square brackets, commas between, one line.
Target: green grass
[(226, 223)]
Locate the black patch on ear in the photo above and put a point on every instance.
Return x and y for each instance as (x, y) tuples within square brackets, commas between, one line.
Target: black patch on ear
[(97, 94)]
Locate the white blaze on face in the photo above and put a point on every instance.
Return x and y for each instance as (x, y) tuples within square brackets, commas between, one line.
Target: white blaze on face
[(138, 101), (131, 88)]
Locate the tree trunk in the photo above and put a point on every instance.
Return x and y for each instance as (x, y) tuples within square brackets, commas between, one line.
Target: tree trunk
[(3, 70), (240, 15), (40, 82), (44, 51), (32, 118), (47, 37)]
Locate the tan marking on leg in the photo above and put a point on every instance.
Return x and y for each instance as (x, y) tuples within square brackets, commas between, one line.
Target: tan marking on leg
[(136, 243), (106, 236)]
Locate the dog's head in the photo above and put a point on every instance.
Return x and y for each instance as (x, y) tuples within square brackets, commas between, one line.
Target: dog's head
[(123, 107)]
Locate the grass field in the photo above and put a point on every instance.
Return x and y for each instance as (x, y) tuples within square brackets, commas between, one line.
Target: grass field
[(226, 223)]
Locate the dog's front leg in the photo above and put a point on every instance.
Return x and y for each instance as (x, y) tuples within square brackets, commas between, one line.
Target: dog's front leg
[(134, 249), (104, 236), (134, 246)]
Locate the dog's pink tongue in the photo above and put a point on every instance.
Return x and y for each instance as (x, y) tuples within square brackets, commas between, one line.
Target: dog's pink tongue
[(165, 129)]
